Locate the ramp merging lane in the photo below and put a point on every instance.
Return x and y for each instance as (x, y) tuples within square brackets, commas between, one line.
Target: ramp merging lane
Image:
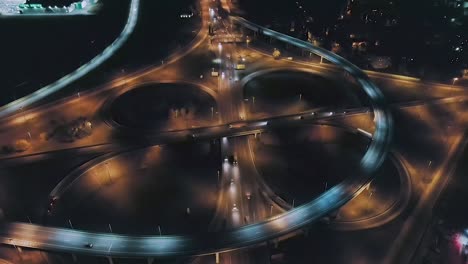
[(75, 241)]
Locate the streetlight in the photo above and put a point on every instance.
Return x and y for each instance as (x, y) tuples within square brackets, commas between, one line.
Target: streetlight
[(368, 199), (159, 229), (108, 171), (24, 116), (18, 249), (454, 80), (24, 120), (79, 102)]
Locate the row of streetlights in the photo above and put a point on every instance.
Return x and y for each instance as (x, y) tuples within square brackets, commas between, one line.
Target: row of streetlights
[(110, 227)]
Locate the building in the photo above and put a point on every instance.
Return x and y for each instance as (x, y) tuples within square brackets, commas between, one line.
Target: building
[(54, 6)]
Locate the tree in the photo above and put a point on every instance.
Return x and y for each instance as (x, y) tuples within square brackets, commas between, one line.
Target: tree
[(22, 145), (276, 54)]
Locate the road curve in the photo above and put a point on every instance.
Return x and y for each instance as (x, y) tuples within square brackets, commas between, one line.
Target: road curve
[(98, 60), (74, 241)]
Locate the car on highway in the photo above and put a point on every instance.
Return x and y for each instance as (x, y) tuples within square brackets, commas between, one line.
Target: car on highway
[(89, 245), (237, 125), (231, 159), (240, 66)]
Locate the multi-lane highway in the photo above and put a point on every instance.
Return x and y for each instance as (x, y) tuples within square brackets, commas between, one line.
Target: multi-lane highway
[(75, 241)]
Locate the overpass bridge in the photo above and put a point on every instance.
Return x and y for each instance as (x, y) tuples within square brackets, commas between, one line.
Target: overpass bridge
[(114, 245)]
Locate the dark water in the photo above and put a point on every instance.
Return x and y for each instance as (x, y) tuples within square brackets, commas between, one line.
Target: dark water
[(37, 51)]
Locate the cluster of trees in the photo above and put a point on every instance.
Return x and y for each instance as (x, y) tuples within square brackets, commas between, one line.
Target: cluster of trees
[(71, 131), (19, 145)]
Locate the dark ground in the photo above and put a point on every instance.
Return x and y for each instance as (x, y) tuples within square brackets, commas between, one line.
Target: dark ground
[(155, 188), (281, 89), (150, 106), (299, 163)]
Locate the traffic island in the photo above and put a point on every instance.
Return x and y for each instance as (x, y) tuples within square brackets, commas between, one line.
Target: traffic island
[(163, 106), (145, 191), (299, 165), (286, 91)]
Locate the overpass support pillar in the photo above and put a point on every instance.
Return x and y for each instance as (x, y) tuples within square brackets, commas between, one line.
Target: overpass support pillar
[(110, 260), (217, 258), (150, 260)]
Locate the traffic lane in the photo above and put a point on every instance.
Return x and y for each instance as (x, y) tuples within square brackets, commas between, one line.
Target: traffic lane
[(48, 238), (237, 128), (253, 196), (330, 200)]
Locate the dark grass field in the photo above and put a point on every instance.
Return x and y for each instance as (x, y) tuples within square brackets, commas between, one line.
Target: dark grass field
[(150, 106)]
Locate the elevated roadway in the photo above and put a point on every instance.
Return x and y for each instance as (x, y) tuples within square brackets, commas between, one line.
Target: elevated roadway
[(75, 241)]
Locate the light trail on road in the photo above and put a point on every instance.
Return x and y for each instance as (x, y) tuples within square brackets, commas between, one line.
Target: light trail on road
[(75, 241)]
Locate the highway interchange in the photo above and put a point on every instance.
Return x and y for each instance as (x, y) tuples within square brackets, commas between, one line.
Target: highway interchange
[(231, 128)]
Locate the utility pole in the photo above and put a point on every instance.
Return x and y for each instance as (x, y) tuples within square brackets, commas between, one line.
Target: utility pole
[(108, 171)]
